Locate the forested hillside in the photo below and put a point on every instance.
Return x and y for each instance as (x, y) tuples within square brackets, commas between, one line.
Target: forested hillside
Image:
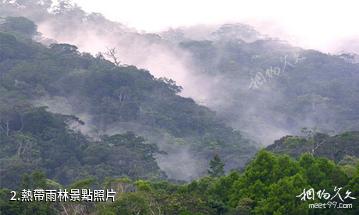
[(339, 148), (101, 99), (197, 120), (263, 86), (268, 85)]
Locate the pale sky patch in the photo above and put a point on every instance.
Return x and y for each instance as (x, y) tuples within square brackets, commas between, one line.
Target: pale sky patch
[(316, 24)]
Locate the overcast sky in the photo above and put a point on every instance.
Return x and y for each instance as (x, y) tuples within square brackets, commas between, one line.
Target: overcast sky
[(320, 24)]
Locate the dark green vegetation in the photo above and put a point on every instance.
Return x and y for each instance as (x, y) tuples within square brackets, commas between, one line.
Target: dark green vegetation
[(337, 148), (244, 73), (38, 140), (113, 99), (72, 120), (269, 185)]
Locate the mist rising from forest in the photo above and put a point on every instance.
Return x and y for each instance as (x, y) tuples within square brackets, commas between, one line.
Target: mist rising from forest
[(67, 23)]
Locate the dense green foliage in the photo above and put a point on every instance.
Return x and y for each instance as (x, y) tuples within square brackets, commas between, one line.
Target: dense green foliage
[(18, 26), (270, 184), (336, 148), (102, 99), (73, 120), (39, 140), (254, 82)]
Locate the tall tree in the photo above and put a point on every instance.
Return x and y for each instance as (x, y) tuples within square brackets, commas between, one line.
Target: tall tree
[(216, 167)]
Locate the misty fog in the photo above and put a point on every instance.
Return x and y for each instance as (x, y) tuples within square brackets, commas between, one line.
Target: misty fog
[(165, 54)]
